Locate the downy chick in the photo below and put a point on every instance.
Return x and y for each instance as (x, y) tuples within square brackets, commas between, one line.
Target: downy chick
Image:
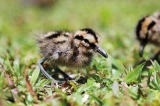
[(148, 31), (68, 49)]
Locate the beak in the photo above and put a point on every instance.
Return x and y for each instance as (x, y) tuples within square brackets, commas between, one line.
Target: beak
[(101, 51), (141, 49)]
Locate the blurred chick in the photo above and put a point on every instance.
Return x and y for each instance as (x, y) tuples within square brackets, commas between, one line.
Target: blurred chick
[(68, 49), (148, 31)]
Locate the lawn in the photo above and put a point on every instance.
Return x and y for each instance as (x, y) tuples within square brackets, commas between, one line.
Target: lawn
[(114, 81)]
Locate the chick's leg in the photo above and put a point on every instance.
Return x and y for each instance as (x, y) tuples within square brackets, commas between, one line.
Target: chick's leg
[(58, 70), (148, 62), (81, 80), (66, 76), (39, 63)]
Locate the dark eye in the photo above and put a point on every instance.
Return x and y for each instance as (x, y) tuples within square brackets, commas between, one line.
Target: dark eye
[(86, 41), (79, 37), (92, 45)]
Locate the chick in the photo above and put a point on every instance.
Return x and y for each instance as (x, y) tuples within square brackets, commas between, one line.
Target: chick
[(68, 49), (148, 31)]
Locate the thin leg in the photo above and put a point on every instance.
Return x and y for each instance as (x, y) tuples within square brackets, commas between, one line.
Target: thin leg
[(66, 76), (155, 57), (57, 69), (40, 62), (81, 80)]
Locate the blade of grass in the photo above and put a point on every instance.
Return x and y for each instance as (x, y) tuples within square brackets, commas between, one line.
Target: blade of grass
[(34, 76), (134, 74), (118, 65), (97, 100)]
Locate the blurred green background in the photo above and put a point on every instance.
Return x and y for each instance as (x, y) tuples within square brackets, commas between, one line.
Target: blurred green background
[(113, 20)]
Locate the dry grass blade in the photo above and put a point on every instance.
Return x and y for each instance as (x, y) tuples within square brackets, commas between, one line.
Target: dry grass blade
[(29, 87)]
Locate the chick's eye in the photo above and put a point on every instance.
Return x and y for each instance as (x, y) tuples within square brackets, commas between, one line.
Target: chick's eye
[(86, 40), (92, 45), (79, 37)]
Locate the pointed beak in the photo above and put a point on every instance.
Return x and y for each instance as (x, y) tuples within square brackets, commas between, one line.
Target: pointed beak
[(141, 49), (101, 51)]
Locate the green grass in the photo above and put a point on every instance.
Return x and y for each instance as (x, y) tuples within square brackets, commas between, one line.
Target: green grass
[(111, 82)]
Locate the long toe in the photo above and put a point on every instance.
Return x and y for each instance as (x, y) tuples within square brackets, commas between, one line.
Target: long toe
[(81, 80)]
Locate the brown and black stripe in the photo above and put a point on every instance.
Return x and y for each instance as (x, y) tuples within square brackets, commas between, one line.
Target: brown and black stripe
[(90, 31), (86, 39), (148, 27), (58, 37)]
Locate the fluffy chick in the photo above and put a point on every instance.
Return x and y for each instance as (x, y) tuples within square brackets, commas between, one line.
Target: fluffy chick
[(148, 31), (69, 49)]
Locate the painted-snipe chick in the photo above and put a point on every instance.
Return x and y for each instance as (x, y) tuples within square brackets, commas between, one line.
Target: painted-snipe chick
[(148, 31), (68, 49)]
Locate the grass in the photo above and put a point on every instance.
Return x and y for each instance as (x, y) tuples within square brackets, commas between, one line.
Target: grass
[(112, 82)]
